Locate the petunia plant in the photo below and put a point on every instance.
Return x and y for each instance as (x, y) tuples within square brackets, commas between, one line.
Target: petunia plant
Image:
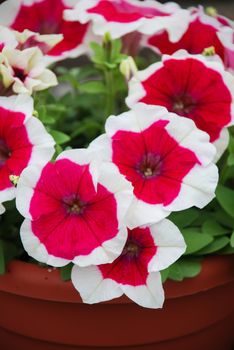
[(116, 142)]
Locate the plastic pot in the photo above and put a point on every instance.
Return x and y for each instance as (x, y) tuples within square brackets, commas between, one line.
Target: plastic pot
[(41, 312)]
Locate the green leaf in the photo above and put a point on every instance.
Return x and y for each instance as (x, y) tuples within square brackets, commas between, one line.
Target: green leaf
[(99, 54), (116, 48), (232, 240), (195, 240), (92, 87), (165, 274), (185, 268), (11, 251), (218, 244), (175, 273), (184, 218), (225, 197), (65, 272), (227, 250), (2, 259), (230, 160), (189, 267), (211, 227), (59, 137), (223, 218)]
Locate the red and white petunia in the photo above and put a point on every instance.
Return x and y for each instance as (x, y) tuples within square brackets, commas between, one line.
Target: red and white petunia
[(165, 157), (28, 39), (25, 71), (23, 40), (46, 17), (191, 86), (120, 17), (201, 26), (226, 36), (74, 210), (23, 141), (136, 271)]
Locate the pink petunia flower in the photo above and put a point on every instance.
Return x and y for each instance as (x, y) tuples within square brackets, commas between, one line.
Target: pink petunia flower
[(74, 209), (46, 17), (202, 32), (191, 86), (165, 157), (23, 141), (120, 17), (135, 272)]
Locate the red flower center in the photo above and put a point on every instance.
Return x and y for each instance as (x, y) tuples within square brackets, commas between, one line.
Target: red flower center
[(19, 73), (132, 249), (183, 105), (74, 205), (5, 153), (150, 165), (49, 27)]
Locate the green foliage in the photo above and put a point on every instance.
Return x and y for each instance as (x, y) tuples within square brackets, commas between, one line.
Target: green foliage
[(232, 240), (59, 137), (184, 268), (65, 272), (230, 159), (225, 197), (184, 218), (213, 228), (195, 239)]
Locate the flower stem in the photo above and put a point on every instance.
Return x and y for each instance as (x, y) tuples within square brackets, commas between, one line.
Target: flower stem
[(110, 93)]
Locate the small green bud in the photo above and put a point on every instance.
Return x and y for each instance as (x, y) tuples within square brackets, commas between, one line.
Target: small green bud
[(107, 38)]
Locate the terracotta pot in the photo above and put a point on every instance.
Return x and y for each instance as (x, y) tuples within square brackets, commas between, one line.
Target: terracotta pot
[(40, 312)]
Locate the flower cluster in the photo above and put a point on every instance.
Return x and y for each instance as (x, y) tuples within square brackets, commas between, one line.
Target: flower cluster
[(103, 209)]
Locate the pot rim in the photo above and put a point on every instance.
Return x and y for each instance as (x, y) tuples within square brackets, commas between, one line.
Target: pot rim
[(45, 282)]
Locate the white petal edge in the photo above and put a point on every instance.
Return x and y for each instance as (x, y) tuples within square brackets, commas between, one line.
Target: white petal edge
[(20, 103), (150, 295), (36, 249), (170, 245), (91, 285)]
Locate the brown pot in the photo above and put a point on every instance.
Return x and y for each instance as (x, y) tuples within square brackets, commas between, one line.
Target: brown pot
[(40, 312)]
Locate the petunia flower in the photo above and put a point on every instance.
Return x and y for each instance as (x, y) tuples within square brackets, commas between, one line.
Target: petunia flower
[(23, 40), (25, 71), (165, 157), (226, 36), (74, 209), (121, 17), (44, 42), (46, 17), (23, 141), (191, 86), (134, 273), (202, 26)]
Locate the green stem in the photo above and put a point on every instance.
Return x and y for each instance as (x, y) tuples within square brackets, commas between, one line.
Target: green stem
[(110, 93)]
